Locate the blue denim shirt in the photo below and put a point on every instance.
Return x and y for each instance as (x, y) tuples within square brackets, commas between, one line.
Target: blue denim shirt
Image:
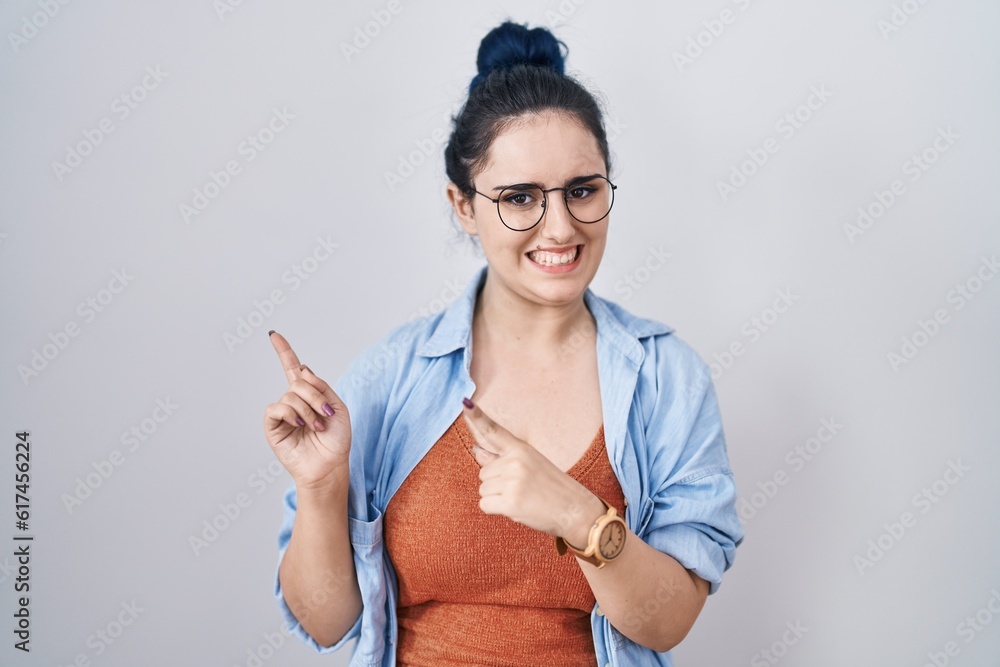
[(664, 439)]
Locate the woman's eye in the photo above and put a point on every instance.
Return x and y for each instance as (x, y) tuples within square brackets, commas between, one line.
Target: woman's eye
[(518, 199), (580, 192)]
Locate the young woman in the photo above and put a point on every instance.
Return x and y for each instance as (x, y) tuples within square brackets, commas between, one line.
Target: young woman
[(580, 507)]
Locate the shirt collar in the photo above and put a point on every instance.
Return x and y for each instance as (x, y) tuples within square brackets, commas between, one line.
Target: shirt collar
[(622, 329)]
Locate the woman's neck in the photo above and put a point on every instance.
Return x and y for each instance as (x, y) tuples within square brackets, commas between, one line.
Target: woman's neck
[(513, 320)]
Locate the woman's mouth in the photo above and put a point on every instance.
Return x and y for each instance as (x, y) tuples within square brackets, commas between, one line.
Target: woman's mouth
[(557, 262)]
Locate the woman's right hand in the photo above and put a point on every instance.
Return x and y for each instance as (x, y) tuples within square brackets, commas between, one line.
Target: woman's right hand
[(313, 446)]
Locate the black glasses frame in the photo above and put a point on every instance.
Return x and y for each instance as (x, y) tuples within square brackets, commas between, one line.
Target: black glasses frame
[(545, 199)]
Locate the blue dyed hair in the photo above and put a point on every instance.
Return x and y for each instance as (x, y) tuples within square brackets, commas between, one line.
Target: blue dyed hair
[(521, 72), (511, 44)]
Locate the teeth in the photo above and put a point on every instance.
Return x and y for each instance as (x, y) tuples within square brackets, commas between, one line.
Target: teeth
[(553, 259)]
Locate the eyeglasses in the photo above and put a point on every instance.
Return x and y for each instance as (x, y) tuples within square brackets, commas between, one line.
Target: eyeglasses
[(522, 206)]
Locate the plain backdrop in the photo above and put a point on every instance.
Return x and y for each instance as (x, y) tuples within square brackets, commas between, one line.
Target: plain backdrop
[(855, 356)]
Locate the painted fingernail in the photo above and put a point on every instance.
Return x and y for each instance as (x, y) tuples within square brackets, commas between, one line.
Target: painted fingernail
[(299, 421), (328, 409), (467, 403), (318, 425), (270, 332)]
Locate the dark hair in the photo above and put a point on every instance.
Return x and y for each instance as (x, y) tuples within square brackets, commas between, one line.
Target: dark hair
[(520, 72)]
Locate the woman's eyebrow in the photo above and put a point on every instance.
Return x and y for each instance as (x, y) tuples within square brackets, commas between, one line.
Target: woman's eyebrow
[(572, 181)]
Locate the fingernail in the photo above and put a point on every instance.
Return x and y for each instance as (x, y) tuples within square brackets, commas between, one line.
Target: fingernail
[(318, 425), (467, 403), (270, 332), (328, 410), (298, 420)]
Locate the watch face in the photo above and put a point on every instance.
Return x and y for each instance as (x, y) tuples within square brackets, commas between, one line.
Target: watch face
[(612, 540)]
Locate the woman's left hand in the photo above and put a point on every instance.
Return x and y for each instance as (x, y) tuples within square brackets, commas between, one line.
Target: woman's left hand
[(519, 482)]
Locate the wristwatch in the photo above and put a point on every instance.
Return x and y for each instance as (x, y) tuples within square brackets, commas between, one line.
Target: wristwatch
[(606, 540)]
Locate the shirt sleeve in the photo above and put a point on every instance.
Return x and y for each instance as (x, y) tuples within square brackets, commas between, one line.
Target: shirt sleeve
[(693, 508), (291, 621)]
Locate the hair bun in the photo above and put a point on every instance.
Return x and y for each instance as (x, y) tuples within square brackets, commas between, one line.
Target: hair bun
[(511, 44)]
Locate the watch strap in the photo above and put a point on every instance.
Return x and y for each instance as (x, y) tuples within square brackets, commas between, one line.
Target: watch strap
[(562, 546)]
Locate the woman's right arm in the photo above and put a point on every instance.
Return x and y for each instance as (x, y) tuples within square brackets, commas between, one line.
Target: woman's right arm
[(317, 574), (309, 430)]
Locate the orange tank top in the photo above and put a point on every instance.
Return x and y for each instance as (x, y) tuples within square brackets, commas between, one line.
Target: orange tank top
[(477, 588)]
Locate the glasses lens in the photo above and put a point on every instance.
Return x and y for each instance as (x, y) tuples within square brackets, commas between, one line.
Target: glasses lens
[(521, 207), (591, 200)]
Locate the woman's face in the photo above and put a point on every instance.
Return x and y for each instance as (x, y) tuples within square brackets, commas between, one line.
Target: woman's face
[(548, 150)]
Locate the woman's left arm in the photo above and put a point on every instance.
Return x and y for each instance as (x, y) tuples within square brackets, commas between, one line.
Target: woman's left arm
[(646, 594)]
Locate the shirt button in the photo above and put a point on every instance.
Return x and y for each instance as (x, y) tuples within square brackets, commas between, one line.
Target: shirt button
[(600, 612)]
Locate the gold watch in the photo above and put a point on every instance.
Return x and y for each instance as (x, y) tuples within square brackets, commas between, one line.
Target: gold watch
[(606, 540)]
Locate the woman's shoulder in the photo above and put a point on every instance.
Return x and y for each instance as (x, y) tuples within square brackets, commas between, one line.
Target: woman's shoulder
[(637, 325), (394, 349), (663, 345), (669, 363)]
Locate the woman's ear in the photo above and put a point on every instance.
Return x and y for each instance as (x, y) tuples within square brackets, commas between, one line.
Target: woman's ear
[(463, 208)]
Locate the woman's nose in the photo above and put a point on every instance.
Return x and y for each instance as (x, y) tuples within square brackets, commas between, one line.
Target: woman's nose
[(556, 216)]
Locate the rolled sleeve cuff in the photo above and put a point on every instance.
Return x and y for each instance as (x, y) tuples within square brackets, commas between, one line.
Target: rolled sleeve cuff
[(699, 526), (696, 551)]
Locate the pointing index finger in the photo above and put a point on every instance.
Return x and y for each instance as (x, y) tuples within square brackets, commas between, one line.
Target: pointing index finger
[(289, 361)]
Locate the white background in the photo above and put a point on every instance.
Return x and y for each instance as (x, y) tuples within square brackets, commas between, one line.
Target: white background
[(677, 130)]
